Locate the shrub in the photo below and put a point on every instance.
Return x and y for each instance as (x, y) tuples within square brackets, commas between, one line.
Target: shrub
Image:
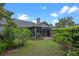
[(21, 35), (12, 36), (3, 46), (8, 35), (68, 37), (76, 40), (15, 37), (17, 43), (72, 53), (63, 40)]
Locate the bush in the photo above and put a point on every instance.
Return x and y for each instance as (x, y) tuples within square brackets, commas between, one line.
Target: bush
[(17, 43), (72, 53), (12, 36), (21, 35), (68, 37), (15, 37), (3, 46), (76, 40)]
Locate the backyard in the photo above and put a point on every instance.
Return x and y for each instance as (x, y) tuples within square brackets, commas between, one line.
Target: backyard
[(38, 48), (19, 37)]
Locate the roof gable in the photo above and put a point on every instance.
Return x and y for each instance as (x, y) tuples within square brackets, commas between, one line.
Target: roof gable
[(44, 24)]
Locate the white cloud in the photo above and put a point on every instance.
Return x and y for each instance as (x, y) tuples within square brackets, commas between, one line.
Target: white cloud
[(43, 7), (55, 21), (54, 14), (34, 21), (64, 10), (68, 9), (73, 9), (12, 16), (23, 17)]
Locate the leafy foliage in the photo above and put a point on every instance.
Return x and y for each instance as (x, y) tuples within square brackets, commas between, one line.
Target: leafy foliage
[(11, 35), (3, 46), (65, 22), (72, 53), (21, 35), (2, 4), (68, 37)]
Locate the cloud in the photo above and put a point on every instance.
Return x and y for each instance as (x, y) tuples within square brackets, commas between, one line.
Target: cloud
[(12, 16), (43, 7), (54, 14), (64, 10), (55, 21), (73, 9), (68, 9), (23, 17), (34, 21)]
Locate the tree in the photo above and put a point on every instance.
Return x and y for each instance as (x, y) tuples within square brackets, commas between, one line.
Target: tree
[(2, 4), (7, 34), (65, 22), (4, 13), (10, 31)]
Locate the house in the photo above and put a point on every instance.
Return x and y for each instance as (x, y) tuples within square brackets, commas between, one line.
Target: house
[(39, 29), (77, 24)]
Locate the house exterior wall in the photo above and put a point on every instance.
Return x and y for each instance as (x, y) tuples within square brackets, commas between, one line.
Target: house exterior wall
[(41, 29), (40, 32)]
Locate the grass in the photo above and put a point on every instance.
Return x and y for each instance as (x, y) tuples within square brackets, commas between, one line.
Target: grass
[(38, 48)]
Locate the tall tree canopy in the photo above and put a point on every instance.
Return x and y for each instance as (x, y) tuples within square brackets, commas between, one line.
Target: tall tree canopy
[(4, 12), (2, 4), (65, 22)]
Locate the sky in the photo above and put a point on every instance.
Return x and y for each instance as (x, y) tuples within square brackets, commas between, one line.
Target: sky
[(49, 12)]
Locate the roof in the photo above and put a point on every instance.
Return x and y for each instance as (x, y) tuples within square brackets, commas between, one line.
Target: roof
[(22, 23), (76, 24), (42, 24)]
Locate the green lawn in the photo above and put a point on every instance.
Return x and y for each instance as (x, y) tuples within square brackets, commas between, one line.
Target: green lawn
[(38, 48)]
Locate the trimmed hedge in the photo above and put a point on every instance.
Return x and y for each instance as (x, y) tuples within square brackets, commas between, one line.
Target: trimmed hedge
[(68, 37)]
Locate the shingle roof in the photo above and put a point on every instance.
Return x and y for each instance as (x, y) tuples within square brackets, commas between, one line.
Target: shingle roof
[(22, 23)]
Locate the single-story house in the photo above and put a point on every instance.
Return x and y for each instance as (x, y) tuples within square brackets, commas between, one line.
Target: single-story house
[(39, 29)]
